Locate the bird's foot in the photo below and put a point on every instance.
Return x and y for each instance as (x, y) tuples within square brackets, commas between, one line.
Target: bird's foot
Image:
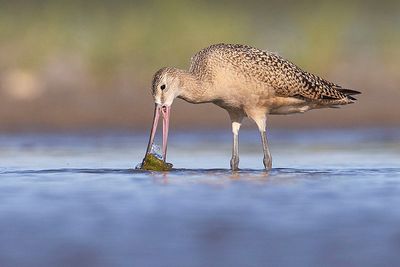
[(267, 163), (235, 163)]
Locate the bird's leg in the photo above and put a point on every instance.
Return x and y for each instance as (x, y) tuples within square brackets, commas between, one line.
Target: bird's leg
[(235, 147), (236, 122), (267, 155), (261, 122)]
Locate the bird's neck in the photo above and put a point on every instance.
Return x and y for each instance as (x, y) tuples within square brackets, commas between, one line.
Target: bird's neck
[(193, 88)]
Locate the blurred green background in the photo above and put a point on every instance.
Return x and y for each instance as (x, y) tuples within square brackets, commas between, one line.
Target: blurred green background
[(84, 65)]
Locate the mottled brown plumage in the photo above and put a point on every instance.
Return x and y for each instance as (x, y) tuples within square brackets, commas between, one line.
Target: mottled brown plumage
[(247, 82), (287, 79)]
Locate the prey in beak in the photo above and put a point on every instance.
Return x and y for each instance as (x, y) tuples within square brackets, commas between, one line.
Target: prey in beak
[(165, 88), (165, 111)]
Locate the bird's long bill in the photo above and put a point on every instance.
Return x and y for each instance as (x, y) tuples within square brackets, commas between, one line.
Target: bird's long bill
[(165, 111), (156, 117)]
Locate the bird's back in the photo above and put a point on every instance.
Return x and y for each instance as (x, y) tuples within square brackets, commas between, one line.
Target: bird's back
[(270, 69)]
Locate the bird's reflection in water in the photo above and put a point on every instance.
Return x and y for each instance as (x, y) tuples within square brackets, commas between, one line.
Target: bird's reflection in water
[(251, 176), (209, 176), (160, 177)]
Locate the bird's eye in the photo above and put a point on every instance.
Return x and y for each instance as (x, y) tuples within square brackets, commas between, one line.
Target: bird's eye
[(162, 87)]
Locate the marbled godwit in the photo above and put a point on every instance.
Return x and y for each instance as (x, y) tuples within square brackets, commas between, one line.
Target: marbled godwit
[(246, 82)]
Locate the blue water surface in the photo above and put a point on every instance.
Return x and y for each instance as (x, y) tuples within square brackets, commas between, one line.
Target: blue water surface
[(332, 199)]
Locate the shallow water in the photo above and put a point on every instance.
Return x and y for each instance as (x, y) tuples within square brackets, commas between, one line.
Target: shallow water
[(332, 199)]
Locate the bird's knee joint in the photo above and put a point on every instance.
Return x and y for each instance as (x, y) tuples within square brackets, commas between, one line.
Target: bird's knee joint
[(235, 128)]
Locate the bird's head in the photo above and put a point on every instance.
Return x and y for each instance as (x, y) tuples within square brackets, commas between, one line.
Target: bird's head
[(165, 88)]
